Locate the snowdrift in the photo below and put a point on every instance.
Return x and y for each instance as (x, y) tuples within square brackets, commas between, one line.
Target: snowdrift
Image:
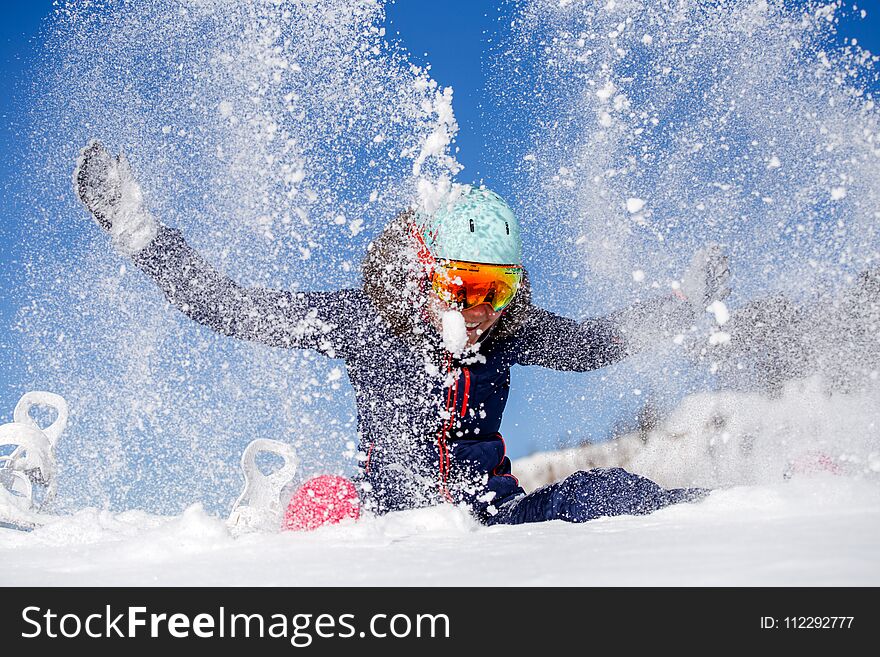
[(821, 526), (812, 531), (717, 439)]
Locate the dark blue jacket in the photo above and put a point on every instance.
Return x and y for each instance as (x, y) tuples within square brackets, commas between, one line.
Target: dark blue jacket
[(428, 423)]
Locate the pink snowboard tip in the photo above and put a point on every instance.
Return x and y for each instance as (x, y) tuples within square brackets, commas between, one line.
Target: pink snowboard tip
[(811, 463), (324, 500)]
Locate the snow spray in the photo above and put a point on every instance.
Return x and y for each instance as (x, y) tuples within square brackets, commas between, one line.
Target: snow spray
[(655, 128), (279, 137)]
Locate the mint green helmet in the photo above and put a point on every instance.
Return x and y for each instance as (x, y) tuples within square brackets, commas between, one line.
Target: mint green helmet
[(477, 227)]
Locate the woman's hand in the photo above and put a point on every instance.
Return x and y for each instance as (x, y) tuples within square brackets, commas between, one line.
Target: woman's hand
[(707, 278), (109, 191)]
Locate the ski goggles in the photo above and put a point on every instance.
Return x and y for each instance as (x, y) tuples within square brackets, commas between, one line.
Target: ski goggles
[(467, 284)]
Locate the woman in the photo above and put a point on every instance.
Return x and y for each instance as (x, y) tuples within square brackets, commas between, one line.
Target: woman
[(430, 389)]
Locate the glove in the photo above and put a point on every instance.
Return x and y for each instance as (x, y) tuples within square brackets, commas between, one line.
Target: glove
[(707, 278), (107, 188)]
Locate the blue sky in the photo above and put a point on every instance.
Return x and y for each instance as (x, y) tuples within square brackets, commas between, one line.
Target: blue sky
[(452, 36), (18, 29)]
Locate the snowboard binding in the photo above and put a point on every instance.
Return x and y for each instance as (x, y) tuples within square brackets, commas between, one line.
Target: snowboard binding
[(30, 466), (320, 501), (259, 505)]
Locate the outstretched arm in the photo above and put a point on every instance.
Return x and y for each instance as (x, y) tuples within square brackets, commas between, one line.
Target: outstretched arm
[(560, 343), (278, 318), (316, 320)]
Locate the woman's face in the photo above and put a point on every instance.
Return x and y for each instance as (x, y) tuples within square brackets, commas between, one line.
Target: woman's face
[(477, 319)]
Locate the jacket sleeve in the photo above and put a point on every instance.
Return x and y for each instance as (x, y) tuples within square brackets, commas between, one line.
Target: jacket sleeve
[(560, 343), (278, 318)]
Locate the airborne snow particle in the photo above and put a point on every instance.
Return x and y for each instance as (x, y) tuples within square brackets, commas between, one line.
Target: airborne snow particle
[(838, 193), (634, 205), (607, 91), (719, 309), (454, 332), (719, 337)]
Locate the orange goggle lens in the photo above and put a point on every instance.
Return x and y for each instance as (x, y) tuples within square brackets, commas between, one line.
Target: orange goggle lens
[(467, 284)]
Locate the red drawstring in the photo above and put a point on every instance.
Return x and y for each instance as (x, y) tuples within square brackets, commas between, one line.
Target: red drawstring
[(369, 454), (448, 424), (467, 391), (442, 446)]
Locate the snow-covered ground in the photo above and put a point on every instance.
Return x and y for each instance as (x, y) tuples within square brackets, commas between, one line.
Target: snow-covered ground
[(820, 527), (812, 530)]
